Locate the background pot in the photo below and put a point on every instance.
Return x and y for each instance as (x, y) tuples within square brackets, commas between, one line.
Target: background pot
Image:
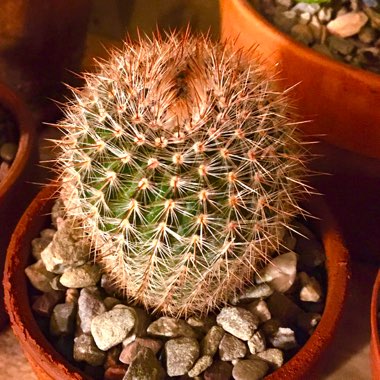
[(342, 101), (48, 364), (41, 45), (15, 193), (375, 331)]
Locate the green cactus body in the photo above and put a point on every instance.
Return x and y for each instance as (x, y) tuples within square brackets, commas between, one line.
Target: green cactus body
[(183, 169)]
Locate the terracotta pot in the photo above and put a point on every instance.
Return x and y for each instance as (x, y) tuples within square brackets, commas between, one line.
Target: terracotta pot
[(375, 331), (342, 101), (48, 364), (15, 194), (41, 46)]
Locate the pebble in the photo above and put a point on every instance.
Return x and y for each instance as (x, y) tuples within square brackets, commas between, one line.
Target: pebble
[(112, 327), (8, 151), (116, 372), (237, 321), (273, 356), (39, 276), (284, 339), (200, 365), (110, 302), (81, 277), (112, 357), (181, 355), (129, 352), (257, 343), (280, 273), (62, 320), (302, 33), (325, 14), (218, 371), (85, 350), (283, 308), (340, 45), (311, 290), (231, 348), (45, 303), (170, 328), (285, 20), (90, 305), (145, 366), (252, 293), (211, 341), (367, 35), (260, 309), (251, 369), (306, 8), (348, 24), (374, 17), (66, 250), (39, 244)]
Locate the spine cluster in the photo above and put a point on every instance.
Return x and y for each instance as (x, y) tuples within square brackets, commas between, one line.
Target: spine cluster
[(183, 168)]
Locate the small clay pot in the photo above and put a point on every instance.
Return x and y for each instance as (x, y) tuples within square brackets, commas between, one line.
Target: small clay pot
[(375, 331), (341, 101), (15, 194), (48, 364)]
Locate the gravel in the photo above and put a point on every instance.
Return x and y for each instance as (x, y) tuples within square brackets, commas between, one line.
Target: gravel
[(348, 30), (262, 327)]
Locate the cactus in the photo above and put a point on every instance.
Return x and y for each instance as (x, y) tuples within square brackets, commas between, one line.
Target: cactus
[(182, 166)]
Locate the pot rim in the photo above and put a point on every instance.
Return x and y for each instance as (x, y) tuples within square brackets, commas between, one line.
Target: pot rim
[(243, 6), (36, 344), (25, 124)]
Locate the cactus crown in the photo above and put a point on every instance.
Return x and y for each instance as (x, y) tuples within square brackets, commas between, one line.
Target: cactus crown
[(183, 168)]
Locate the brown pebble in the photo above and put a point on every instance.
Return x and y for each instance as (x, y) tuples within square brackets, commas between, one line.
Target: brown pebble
[(116, 372), (130, 351), (44, 304), (219, 371)]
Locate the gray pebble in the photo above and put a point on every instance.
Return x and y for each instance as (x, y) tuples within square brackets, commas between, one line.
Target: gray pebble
[(62, 320), (112, 327), (170, 328), (211, 341), (283, 339), (85, 350), (45, 303), (280, 273), (260, 309), (251, 369), (306, 8), (181, 355), (81, 277), (39, 276), (90, 305), (8, 151), (130, 351), (145, 366), (238, 322), (311, 290), (273, 356), (66, 250), (200, 365), (231, 348), (252, 293), (257, 343)]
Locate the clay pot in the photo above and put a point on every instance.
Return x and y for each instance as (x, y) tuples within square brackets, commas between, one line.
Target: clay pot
[(14, 186), (48, 364), (41, 46), (375, 331), (342, 101)]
